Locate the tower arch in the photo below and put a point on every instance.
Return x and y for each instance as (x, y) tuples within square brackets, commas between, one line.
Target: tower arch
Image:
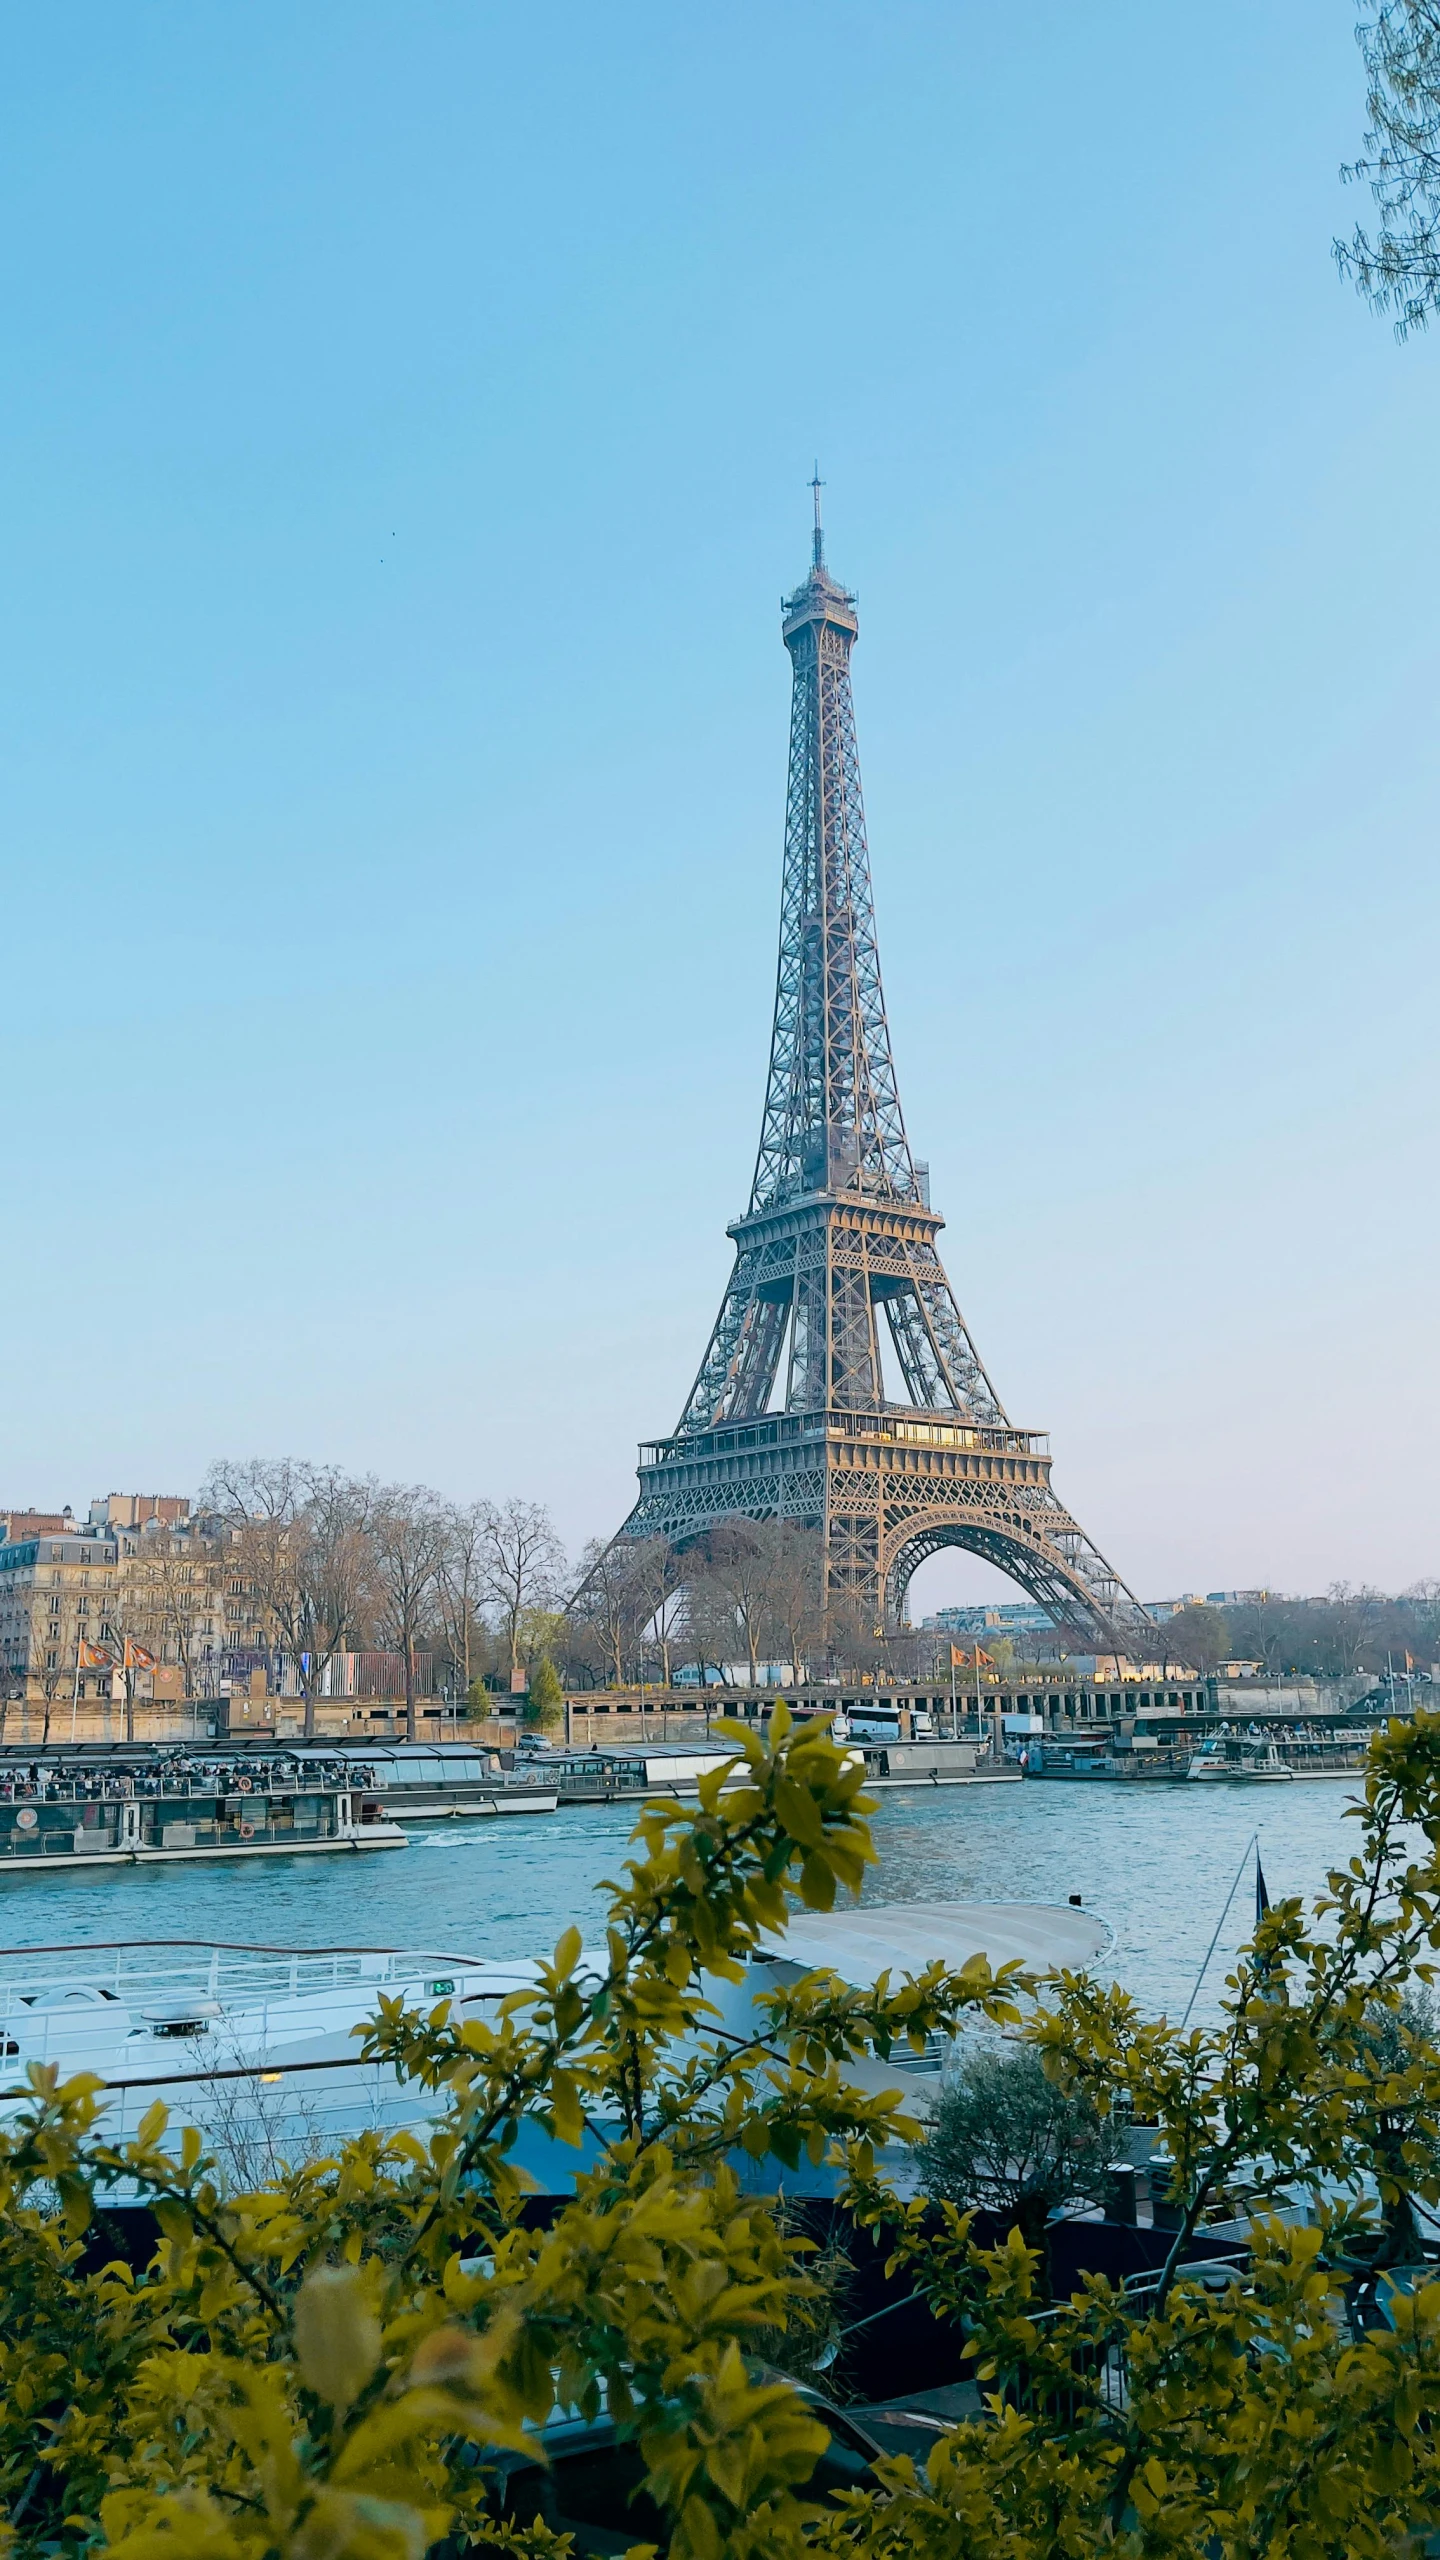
[(1025, 1555)]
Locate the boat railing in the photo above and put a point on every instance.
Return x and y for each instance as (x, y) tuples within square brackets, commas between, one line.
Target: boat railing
[(256, 2116), (153, 1787), (148, 1975)]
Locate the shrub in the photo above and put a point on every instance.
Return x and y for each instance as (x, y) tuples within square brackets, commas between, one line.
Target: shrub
[(1008, 2137)]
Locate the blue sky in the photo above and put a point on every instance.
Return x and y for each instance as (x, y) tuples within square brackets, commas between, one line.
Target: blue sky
[(404, 421)]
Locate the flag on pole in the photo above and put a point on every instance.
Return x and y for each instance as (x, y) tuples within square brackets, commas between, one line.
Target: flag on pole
[(959, 1659), (1262, 1898), (93, 1657), (136, 1657)]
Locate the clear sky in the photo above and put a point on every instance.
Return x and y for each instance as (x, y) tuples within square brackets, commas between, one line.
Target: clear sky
[(404, 419)]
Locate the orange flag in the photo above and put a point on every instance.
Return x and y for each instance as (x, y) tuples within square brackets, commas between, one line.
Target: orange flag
[(136, 1657), (93, 1657)]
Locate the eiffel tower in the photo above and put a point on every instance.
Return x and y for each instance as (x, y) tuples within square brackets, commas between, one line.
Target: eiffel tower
[(790, 1414)]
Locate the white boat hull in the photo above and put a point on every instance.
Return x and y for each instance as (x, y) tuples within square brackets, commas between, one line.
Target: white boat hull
[(376, 1835), (1237, 1776)]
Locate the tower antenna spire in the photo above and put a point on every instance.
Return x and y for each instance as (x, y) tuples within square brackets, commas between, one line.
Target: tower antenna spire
[(817, 484)]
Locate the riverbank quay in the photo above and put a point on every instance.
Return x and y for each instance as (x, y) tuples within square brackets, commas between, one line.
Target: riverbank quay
[(608, 1776), (1088, 1759), (1059, 1700), (425, 1783), (238, 1796)]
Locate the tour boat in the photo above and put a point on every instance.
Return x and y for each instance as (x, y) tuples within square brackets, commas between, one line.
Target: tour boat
[(56, 1814), (1244, 1757)]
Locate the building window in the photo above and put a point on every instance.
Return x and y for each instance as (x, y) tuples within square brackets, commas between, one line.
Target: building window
[(52, 1661)]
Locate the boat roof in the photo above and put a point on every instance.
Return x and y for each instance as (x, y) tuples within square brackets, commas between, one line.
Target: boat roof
[(903, 1937)]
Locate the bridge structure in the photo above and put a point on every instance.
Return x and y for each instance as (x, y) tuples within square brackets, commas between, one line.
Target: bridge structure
[(840, 1386)]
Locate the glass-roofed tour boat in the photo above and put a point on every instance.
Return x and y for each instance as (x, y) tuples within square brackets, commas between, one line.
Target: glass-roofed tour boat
[(57, 1812)]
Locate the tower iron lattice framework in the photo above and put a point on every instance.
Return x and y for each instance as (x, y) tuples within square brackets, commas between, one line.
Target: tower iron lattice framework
[(789, 1415)]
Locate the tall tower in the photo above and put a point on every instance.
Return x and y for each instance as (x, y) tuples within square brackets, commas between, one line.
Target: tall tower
[(792, 1412)]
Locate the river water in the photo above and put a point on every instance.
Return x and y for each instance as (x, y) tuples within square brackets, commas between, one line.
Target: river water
[(1156, 1861)]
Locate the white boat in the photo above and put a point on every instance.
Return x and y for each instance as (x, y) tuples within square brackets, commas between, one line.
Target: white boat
[(1243, 1758), (861, 1942), (257, 2046), (249, 2043), (436, 1782)]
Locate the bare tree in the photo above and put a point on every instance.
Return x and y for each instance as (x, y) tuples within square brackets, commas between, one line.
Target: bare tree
[(762, 1582), (524, 1563), (14, 1685), (710, 1623), (300, 1547), (187, 1572), (853, 1643), (1423, 1601), (406, 1535), (656, 1572), (604, 1614), (738, 1555), (54, 1668), (794, 1557), (131, 1629), (461, 1584)]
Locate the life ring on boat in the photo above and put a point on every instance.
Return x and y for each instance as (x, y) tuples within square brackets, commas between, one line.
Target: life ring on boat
[(247, 1830), (242, 1786)]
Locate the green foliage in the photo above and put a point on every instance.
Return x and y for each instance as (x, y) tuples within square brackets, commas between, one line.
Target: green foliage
[(479, 1701), (1397, 2042), (313, 2369), (1008, 2137), (545, 1701)]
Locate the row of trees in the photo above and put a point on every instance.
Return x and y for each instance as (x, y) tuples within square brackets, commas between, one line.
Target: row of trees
[(329, 1561), (751, 1592), (332, 1561), (748, 1595), (1349, 1631)]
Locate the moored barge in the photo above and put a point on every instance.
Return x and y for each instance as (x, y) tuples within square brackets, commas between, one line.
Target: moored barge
[(56, 1815)]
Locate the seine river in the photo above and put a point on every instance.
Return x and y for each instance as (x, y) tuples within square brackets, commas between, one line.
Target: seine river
[(1156, 1861)]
